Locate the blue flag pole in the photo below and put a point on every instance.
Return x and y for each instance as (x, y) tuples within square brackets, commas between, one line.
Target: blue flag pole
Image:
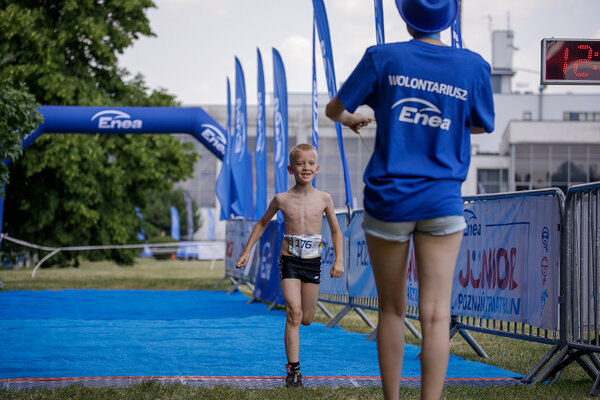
[(379, 32), (260, 150), (280, 125), (323, 29)]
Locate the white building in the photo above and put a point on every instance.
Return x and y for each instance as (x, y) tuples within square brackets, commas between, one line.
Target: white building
[(539, 141)]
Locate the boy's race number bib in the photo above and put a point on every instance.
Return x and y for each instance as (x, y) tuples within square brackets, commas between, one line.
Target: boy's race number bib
[(305, 246)]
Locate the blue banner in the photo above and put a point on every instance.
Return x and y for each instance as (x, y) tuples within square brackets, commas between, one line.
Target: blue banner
[(1, 211), (224, 187), (268, 286), (455, 31), (360, 273), (141, 235), (280, 124), (325, 41), (175, 231), (379, 32), (241, 159), (328, 284), (211, 223), (260, 150), (315, 97)]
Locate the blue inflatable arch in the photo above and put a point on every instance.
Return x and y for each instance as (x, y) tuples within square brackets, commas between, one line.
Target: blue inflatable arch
[(121, 120), (130, 120)]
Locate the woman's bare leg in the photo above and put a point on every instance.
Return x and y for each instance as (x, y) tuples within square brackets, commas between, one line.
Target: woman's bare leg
[(436, 260), (388, 260)]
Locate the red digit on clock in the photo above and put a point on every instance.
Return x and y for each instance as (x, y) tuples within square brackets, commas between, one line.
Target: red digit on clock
[(566, 63), (583, 60)]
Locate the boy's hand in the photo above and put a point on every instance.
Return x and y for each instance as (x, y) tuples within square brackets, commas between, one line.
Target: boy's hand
[(337, 270), (242, 261)]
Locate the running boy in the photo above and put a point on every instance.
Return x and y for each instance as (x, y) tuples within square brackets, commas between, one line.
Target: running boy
[(302, 207)]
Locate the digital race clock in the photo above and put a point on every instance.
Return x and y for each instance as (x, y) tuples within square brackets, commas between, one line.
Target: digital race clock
[(570, 62)]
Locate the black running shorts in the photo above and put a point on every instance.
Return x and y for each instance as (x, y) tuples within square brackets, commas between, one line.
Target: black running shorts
[(305, 269)]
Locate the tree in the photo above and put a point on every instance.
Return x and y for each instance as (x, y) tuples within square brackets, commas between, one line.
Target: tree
[(83, 189), (157, 214), (18, 117)]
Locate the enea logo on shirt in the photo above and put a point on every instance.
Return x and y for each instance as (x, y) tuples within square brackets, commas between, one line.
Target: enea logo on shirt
[(421, 112)]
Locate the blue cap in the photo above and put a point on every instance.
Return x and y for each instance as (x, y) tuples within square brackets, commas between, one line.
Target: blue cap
[(428, 15)]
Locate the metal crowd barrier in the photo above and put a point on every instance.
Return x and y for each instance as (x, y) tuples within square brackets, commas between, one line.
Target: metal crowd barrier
[(580, 308), (574, 334)]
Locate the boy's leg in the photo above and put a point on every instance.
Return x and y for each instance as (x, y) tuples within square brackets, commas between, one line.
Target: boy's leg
[(291, 289), (389, 269), (310, 296), (436, 259)]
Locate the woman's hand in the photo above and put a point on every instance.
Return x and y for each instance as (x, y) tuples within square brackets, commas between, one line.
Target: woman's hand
[(354, 121)]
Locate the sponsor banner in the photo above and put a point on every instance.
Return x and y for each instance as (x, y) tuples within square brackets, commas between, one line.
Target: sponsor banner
[(455, 31), (128, 120), (315, 103), (240, 158), (267, 285), (260, 149), (359, 273), (508, 265), (320, 16), (328, 284), (224, 187), (237, 232), (280, 127), (175, 230)]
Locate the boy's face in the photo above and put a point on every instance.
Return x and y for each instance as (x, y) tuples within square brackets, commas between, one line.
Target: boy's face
[(304, 166)]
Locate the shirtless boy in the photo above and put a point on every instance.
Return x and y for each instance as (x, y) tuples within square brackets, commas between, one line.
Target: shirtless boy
[(302, 207)]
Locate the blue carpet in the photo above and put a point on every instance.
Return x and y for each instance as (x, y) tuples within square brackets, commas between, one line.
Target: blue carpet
[(109, 333)]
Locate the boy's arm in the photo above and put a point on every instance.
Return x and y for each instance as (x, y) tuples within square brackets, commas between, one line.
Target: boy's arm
[(338, 242), (257, 231)]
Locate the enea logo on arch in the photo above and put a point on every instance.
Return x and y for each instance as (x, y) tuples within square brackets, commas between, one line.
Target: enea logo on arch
[(214, 136), (115, 119), (421, 112)]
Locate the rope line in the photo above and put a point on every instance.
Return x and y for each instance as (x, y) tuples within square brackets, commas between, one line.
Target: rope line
[(54, 250)]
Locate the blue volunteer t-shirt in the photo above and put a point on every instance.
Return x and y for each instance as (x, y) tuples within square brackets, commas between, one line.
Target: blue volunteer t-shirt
[(425, 98)]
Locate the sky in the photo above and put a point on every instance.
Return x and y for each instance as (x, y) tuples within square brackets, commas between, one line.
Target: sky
[(192, 54)]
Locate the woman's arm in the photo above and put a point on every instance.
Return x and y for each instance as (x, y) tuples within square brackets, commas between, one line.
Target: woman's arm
[(336, 112)]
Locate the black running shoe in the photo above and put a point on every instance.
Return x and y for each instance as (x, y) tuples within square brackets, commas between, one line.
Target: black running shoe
[(293, 378)]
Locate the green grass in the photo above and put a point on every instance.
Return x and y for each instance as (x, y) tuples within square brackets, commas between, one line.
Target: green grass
[(511, 354)]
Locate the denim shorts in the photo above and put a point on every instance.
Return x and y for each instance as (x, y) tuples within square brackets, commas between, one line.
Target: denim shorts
[(401, 231)]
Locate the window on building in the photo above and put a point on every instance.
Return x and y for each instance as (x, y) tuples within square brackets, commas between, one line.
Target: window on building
[(546, 165), (492, 180), (581, 116)]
